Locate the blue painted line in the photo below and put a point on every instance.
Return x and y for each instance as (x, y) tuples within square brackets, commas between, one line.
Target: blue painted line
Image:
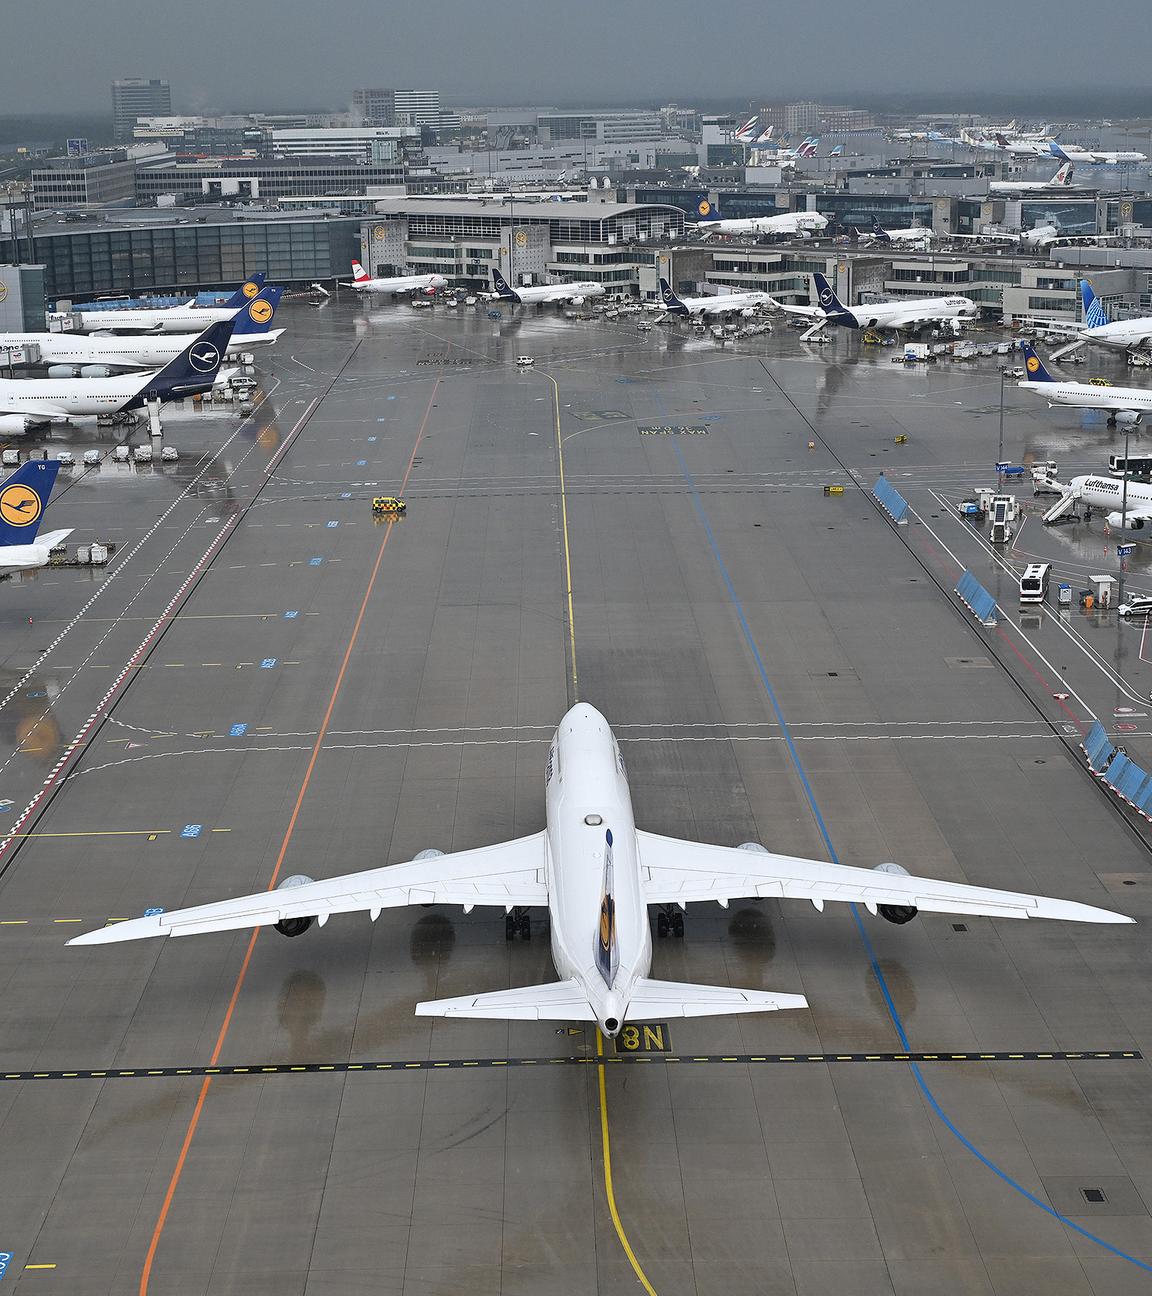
[(881, 980), (238, 731), (291, 614), (268, 663), (330, 525), (361, 462), (5, 1260), (191, 830), (345, 494), (315, 562)]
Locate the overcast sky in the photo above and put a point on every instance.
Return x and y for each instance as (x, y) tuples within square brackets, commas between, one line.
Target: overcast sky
[(232, 55)]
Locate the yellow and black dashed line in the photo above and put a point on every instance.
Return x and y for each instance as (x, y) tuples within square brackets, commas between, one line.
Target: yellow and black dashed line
[(623, 1059)]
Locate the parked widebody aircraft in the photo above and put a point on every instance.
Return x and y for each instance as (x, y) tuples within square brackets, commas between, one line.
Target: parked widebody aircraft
[(801, 224), (718, 304), (597, 874), (1122, 404), (362, 281), (1097, 330), (1101, 157), (1023, 147), (1061, 180), (26, 403), (23, 499), (910, 234), (575, 293), (915, 313), (98, 355), (189, 318)]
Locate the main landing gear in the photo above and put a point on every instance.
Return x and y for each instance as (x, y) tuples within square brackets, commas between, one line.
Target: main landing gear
[(669, 921), (518, 923)]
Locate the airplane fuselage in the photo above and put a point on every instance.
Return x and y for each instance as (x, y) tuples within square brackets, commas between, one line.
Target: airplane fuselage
[(553, 293), (173, 319), (400, 284), (904, 314), (586, 798), (1138, 400), (1124, 334), (127, 352)]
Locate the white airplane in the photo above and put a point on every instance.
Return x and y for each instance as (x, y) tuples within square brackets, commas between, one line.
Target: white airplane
[(23, 499), (914, 313), (189, 318), (784, 225), (25, 403), (910, 234), (576, 293), (1068, 153), (597, 874), (1061, 180), (1133, 509), (1126, 405), (1023, 147), (720, 304), (362, 281), (96, 355)]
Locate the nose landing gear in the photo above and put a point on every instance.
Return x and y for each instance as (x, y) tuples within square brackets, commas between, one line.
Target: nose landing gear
[(518, 923), (669, 921)]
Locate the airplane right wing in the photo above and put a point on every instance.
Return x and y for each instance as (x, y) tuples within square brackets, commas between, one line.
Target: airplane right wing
[(555, 1001), (511, 873), (661, 1000)]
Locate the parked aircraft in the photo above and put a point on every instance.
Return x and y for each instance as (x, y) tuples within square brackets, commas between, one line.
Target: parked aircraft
[(910, 234), (1069, 153), (362, 281), (98, 355), (23, 499), (911, 314), (1123, 404), (1132, 501), (1121, 335), (1061, 180), (597, 874), (784, 225), (24, 403), (575, 293), (189, 318), (718, 304)]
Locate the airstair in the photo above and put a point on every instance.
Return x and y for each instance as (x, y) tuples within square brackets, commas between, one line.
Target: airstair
[(1064, 505)]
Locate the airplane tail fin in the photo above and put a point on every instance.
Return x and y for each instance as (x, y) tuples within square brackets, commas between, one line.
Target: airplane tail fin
[(503, 289), (878, 231), (826, 295), (1001, 141), (706, 210), (247, 290), (359, 274), (660, 1000), (193, 370), (257, 316), (1034, 366), (669, 299), (607, 948), (1057, 151), (1064, 175), (23, 499), (1094, 313)]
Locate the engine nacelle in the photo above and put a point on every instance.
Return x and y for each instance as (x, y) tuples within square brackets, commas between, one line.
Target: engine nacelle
[(294, 926), (579, 301), (15, 423), (95, 371), (1128, 418), (63, 371), (1133, 524), (898, 914)]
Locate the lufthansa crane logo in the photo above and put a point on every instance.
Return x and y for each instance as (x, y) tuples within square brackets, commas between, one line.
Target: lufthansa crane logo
[(521, 239), (260, 312), (19, 505), (250, 289), (1032, 364), (3, 290), (826, 297), (704, 207), (204, 358), (380, 232)]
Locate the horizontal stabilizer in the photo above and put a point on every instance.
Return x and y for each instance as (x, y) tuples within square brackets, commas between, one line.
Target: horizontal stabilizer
[(661, 1000), (557, 1001)]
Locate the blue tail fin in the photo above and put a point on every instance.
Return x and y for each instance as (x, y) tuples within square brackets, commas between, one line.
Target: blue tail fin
[(1094, 313), (669, 300), (1057, 151), (706, 210), (23, 499), (257, 316), (1034, 366), (247, 290), (878, 230), (826, 296), (193, 370), (502, 288)]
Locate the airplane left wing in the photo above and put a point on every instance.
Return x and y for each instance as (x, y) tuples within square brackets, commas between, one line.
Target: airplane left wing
[(678, 872), (511, 873)]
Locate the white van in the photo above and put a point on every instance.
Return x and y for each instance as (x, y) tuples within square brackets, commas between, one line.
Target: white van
[(1034, 583)]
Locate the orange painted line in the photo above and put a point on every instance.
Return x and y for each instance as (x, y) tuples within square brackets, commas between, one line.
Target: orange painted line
[(190, 1133)]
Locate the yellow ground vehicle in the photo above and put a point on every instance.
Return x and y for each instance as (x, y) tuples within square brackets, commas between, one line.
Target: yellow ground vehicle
[(1099, 382), (388, 506)]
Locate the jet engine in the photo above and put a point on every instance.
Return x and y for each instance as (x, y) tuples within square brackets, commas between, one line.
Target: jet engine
[(1128, 418), (898, 914), (579, 301), (95, 371), (1134, 523), (755, 847), (294, 926), (63, 371), (15, 422)]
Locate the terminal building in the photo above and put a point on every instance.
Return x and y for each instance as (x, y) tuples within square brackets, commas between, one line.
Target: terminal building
[(541, 242)]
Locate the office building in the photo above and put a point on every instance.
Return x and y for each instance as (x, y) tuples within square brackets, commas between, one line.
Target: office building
[(265, 179), (374, 107), (134, 97), (417, 107), (92, 179)]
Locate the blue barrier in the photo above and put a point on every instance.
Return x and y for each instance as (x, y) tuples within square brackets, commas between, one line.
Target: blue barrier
[(977, 599), (1114, 768), (890, 500)]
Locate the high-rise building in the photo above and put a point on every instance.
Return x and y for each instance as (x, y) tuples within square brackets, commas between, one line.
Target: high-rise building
[(373, 107), (417, 107), (134, 97)]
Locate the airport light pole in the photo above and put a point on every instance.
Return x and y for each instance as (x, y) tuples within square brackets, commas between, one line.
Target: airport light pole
[(1000, 451), (1124, 502)]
